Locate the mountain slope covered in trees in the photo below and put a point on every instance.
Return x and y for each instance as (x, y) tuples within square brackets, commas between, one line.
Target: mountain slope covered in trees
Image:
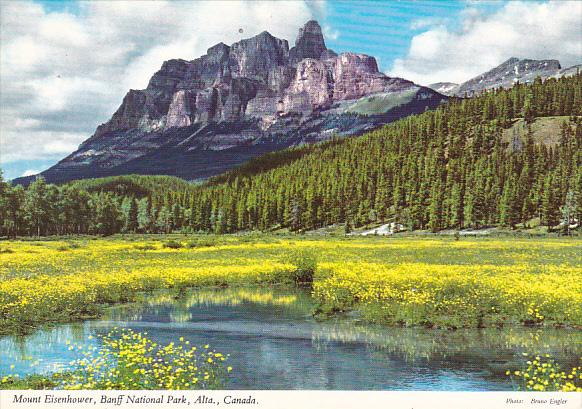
[(450, 168), (462, 165)]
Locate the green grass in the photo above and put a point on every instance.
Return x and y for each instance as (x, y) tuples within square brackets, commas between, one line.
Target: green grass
[(36, 382), (545, 130), (381, 103)]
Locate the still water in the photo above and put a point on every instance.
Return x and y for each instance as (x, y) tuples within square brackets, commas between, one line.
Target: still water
[(275, 343)]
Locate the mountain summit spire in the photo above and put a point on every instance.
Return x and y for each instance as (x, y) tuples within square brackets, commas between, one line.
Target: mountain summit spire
[(309, 43)]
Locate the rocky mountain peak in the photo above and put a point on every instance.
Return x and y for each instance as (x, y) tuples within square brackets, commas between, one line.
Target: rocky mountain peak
[(219, 48), (512, 60), (529, 65), (309, 43), (254, 57), (256, 77), (505, 75), (508, 73), (311, 31)]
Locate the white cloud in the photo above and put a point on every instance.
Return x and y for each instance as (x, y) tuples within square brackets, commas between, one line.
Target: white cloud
[(63, 74), (520, 29), (425, 22), (329, 33), (30, 172)]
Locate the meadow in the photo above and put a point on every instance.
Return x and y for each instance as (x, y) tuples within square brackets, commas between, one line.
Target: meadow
[(406, 281)]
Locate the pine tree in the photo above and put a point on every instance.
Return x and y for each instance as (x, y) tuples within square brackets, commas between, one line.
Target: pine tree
[(528, 109), (506, 207), (436, 209), (550, 205), (177, 217), (132, 222)]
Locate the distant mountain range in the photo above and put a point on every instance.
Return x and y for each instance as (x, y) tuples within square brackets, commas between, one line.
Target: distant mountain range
[(199, 118), (506, 75)]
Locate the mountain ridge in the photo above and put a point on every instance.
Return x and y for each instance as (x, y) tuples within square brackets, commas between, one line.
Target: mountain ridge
[(505, 75), (254, 96)]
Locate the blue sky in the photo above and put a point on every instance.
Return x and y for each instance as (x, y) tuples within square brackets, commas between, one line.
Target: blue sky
[(71, 6), (385, 29), (67, 64)]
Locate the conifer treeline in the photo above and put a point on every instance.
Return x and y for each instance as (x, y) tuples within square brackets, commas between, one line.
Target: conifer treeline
[(454, 167), (449, 168)]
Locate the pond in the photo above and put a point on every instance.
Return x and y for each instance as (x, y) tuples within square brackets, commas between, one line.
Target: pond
[(275, 343)]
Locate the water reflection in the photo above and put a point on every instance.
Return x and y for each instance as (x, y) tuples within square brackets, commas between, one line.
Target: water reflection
[(44, 351), (276, 344)]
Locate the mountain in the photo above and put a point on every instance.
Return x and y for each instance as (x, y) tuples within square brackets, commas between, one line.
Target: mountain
[(444, 88), (568, 72), (506, 75), (199, 118)]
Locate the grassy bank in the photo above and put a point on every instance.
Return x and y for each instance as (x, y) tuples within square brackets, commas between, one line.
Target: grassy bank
[(432, 282)]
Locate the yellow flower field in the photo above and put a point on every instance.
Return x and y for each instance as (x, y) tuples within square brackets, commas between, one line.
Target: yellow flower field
[(436, 282)]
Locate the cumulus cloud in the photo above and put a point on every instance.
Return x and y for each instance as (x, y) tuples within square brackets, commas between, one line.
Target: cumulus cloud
[(64, 73), (548, 30)]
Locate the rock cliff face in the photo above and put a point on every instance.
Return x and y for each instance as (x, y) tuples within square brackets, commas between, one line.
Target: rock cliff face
[(223, 84), (309, 43), (312, 87), (257, 93), (182, 109), (505, 75)]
